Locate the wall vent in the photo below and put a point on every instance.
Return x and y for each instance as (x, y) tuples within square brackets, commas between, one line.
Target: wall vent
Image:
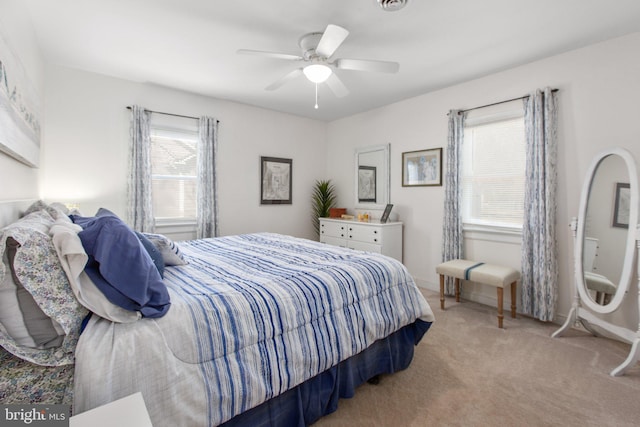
[(392, 5)]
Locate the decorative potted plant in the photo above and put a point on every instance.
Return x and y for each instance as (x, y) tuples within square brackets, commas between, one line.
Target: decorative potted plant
[(322, 200)]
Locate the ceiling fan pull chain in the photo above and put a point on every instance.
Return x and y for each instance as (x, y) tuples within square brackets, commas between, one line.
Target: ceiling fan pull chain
[(316, 106)]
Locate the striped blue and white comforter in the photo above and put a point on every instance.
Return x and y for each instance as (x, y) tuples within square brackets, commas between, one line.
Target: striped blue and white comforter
[(251, 317)]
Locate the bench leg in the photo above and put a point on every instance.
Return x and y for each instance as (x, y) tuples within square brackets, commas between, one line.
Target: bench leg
[(599, 298), (513, 300), (441, 292), (500, 316), (457, 290)]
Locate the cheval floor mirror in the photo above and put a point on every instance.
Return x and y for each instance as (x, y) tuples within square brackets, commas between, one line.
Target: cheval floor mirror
[(606, 246)]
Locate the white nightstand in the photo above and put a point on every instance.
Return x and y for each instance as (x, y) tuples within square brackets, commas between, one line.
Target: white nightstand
[(129, 411)]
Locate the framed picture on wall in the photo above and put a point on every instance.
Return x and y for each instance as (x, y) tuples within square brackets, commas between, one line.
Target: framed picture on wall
[(367, 184), (20, 109), (621, 205), (422, 168), (276, 181)]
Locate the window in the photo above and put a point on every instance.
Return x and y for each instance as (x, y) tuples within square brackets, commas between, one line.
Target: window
[(174, 174), (493, 174)]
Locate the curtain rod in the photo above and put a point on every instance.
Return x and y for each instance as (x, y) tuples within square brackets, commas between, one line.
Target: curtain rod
[(499, 102), (167, 114)]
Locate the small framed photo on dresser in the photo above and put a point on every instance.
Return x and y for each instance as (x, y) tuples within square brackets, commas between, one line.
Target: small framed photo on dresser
[(385, 215)]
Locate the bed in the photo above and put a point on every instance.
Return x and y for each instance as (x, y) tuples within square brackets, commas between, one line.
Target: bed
[(261, 329)]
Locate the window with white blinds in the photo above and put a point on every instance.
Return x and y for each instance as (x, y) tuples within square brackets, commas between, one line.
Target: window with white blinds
[(174, 174), (493, 164)]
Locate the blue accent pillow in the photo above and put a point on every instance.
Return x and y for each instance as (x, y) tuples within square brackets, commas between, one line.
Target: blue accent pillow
[(151, 249), (153, 252), (120, 266)]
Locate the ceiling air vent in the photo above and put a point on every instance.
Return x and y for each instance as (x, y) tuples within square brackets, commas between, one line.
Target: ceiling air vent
[(392, 5)]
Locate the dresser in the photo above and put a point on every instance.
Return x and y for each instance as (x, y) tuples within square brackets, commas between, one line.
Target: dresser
[(384, 238)]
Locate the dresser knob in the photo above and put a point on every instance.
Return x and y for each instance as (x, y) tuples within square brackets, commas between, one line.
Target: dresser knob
[(375, 231), (375, 240)]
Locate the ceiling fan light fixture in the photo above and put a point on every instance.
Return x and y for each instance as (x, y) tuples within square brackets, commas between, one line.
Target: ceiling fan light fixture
[(392, 5), (317, 73)]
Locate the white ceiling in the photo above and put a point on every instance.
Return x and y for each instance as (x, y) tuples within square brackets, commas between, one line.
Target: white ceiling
[(191, 44)]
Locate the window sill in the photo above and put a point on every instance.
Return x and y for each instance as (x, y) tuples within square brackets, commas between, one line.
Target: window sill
[(175, 222), (177, 229), (493, 233)]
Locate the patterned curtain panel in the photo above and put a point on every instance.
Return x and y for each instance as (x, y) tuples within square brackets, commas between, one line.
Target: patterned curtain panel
[(207, 205), (140, 204), (539, 249), (452, 223)]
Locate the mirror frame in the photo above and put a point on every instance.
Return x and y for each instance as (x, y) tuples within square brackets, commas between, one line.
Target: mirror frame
[(626, 276), (386, 180)]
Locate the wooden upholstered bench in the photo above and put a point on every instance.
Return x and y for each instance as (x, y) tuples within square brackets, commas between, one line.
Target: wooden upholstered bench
[(488, 274)]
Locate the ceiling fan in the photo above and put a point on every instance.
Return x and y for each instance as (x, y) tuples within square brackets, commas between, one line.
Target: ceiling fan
[(317, 51)]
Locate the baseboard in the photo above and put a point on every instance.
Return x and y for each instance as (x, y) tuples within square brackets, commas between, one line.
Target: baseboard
[(485, 299), (427, 285), (464, 294)]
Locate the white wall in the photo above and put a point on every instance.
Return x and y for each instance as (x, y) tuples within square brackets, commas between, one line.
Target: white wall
[(598, 108), (86, 144), (19, 181), (85, 137)]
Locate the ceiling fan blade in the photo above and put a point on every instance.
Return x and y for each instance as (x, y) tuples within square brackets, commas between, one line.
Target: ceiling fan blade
[(367, 65), (337, 87), (287, 77), (277, 55), (331, 40)]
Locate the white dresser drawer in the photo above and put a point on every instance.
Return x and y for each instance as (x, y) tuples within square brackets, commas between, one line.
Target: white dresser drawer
[(365, 233), (333, 229), (362, 246), (333, 241)]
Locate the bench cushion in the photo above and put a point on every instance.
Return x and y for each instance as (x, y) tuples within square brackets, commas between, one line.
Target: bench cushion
[(455, 267), (490, 274), (599, 283)]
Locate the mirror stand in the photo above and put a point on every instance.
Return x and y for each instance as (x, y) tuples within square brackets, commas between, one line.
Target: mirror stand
[(579, 315), (617, 237)]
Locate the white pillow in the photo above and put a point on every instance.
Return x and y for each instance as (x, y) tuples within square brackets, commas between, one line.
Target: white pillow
[(169, 250)]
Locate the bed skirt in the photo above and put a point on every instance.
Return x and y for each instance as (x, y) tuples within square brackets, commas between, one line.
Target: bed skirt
[(305, 404)]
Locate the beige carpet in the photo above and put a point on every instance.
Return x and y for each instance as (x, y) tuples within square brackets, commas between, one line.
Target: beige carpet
[(467, 372)]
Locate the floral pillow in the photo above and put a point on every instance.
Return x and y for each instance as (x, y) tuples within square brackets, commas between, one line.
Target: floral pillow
[(56, 210), (33, 328), (36, 268)]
